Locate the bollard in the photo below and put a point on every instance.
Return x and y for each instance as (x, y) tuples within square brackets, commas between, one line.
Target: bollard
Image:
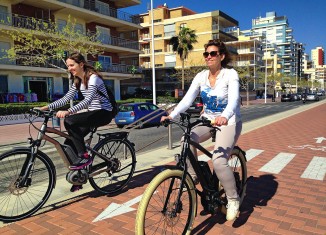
[(170, 136)]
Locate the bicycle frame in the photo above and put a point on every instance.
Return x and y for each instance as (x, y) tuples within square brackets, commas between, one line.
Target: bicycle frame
[(208, 185)]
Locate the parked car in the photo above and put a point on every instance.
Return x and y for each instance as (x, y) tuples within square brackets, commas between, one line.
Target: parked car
[(133, 112), (196, 107), (312, 97), (286, 98), (320, 93), (295, 97)]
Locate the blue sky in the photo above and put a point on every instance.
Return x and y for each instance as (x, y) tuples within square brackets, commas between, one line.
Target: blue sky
[(307, 18)]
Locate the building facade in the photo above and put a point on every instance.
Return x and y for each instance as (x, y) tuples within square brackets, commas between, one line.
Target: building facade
[(318, 57), (277, 31), (117, 30), (167, 23)]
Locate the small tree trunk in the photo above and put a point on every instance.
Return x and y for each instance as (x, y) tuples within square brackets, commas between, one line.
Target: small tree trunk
[(247, 93), (183, 75)]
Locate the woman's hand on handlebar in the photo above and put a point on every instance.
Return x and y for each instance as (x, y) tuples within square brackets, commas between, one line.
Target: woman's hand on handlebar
[(219, 121), (163, 118), (62, 114)]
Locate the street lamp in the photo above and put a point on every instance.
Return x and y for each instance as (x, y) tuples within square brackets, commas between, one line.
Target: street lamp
[(153, 56), (266, 66)]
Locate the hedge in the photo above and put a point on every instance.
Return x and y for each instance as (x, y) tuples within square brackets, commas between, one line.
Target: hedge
[(19, 108)]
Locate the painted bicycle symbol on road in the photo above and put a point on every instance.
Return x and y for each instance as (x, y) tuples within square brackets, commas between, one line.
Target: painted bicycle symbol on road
[(309, 146)]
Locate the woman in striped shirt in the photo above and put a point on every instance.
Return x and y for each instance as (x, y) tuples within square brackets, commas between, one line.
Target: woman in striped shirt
[(99, 109)]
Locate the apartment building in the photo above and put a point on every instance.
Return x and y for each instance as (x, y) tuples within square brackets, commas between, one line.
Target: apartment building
[(318, 56), (277, 31), (118, 33), (167, 23)]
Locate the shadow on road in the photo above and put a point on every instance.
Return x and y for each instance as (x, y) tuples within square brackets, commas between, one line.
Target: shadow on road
[(259, 191)]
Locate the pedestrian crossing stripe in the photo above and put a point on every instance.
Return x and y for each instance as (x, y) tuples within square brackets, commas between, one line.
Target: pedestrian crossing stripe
[(275, 165), (315, 170)]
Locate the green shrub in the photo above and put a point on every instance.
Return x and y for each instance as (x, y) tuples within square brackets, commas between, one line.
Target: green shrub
[(18, 108)]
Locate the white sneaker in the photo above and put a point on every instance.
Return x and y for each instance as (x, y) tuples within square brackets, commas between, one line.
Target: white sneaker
[(232, 209)]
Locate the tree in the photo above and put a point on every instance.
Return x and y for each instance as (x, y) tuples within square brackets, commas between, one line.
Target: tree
[(38, 42), (183, 44), (245, 78)]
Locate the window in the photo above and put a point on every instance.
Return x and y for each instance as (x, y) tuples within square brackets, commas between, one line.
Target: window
[(4, 47), (3, 83), (79, 28), (155, 21), (134, 62), (106, 61), (104, 35), (169, 30), (133, 34), (61, 24), (4, 14), (152, 107)]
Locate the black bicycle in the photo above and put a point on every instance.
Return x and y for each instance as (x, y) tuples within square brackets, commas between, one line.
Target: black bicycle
[(169, 204), (28, 175)]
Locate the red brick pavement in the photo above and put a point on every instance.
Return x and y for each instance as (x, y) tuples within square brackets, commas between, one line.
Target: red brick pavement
[(281, 203)]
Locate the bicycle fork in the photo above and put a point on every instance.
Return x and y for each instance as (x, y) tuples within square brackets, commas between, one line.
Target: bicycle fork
[(24, 180), (177, 204)]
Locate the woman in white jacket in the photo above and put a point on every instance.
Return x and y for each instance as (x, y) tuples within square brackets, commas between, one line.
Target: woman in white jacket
[(219, 89)]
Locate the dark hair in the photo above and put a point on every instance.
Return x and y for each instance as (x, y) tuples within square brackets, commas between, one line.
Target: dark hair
[(222, 50), (88, 69)]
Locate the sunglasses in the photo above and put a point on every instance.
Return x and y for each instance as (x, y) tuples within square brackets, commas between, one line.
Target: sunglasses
[(212, 54)]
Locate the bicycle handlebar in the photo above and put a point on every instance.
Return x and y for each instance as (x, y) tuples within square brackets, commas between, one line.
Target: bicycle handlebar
[(41, 113), (185, 122)]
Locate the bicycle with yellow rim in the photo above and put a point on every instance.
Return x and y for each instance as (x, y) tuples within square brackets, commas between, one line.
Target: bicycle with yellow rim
[(169, 203)]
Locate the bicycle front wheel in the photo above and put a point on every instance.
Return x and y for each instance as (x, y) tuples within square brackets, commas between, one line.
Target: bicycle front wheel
[(116, 173), (19, 202), (157, 212)]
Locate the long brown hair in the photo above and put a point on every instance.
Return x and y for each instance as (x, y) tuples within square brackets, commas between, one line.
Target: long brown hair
[(88, 69)]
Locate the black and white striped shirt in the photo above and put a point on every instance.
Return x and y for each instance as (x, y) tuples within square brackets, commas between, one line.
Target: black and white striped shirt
[(92, 99)]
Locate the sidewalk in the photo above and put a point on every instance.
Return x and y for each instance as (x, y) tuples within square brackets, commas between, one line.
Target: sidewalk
[(283, 202)]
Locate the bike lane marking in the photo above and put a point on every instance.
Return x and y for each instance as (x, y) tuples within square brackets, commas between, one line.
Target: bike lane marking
[(276, 165), (316, 169), (115, 209)]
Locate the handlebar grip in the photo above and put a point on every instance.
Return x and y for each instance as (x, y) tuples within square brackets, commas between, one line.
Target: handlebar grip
[(166, 122)]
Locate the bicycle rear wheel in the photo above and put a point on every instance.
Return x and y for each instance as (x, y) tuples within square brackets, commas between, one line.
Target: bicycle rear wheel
[(16, 202), (113, 178), (237, 162), (152, 218)]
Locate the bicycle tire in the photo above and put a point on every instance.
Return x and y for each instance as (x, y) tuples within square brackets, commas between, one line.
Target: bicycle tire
[(20, 203), (112, 181), (237, 162), (154, 195)]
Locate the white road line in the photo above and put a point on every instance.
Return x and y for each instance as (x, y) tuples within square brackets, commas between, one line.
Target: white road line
[(251, 153), (277, 163), (316, 169)]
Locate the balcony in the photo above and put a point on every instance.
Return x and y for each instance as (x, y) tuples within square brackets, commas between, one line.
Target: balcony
[(104, 9), (27, 61), (24, 22), (116, 68)]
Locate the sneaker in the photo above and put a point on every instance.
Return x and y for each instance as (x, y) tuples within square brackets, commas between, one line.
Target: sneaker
[(75, 188), (85, 161), (232, 209)]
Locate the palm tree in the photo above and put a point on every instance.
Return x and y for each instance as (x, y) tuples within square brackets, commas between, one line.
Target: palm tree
[(182, 44)]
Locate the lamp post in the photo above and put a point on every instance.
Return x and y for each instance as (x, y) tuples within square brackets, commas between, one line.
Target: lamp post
[(153, 56), (266, 66)]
